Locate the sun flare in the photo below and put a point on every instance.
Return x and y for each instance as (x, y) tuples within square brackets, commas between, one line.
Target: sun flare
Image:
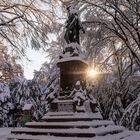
[(91, 72)]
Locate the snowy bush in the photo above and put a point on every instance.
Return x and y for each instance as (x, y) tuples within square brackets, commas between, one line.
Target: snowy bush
[(20, 91), (23, 92), (51, 89), (109, 98), (36, 98), (131, 116), (26, 91), (4, 104), (116, 110)]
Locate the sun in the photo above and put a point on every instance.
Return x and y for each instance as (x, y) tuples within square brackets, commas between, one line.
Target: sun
[(91, 72)]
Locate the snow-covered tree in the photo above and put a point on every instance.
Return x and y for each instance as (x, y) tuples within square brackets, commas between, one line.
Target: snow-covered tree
[(8, 65), (111, 19), (26, 22), (5, 104), (20, 91), (131, 116), (52, 88), (36, 98), (23, 92), (116, 110)]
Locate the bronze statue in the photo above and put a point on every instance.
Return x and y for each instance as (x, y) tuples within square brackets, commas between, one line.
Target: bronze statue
[(73, 26)]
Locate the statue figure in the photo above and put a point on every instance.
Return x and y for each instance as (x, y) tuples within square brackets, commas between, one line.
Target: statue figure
[(79, 97), (73, 26)]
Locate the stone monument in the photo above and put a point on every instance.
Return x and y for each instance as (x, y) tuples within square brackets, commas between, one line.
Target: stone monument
[(72, 63), (73, 68)]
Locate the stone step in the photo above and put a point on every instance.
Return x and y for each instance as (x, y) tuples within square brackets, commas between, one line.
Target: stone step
[(75, 117), (75, 132), (78, 124), (120, 135), (60, 113)]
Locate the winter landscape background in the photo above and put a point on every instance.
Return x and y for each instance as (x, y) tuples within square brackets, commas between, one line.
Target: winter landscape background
[(111, 44)]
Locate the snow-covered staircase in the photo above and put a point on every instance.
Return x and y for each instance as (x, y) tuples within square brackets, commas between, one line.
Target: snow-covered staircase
[(68, 125)]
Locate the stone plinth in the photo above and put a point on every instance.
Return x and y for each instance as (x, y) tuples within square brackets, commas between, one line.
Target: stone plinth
[(62, 106), (72, 69)]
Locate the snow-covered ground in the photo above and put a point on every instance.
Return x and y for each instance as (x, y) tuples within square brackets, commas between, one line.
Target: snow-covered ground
[(4, 132)]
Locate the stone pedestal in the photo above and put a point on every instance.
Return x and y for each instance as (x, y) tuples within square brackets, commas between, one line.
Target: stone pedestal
[(71, 71), (62, 106)]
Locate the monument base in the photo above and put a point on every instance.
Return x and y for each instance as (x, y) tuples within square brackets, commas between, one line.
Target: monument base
[(69, 105), (62, 106)]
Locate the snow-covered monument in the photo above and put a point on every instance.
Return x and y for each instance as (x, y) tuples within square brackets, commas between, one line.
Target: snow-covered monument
[(73, 66), (73, 111), (72, 63)]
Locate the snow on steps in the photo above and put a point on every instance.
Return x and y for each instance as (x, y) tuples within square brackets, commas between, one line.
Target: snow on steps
[(67, 125), (118, 136), (78, 124), (60, 114), (50, 117), (91, 132)]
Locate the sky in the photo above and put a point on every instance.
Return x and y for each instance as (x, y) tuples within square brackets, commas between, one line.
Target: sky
[(37, 59)]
